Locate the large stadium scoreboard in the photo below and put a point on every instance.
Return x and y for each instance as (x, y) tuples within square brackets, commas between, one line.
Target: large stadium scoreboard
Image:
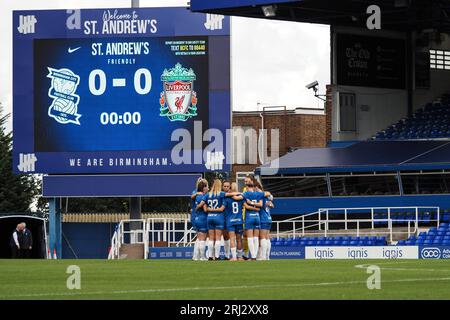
[(117, 90)]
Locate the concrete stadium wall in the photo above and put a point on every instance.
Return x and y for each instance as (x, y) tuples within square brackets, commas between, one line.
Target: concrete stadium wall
[(382, 106), (439, 79), (377, 108)]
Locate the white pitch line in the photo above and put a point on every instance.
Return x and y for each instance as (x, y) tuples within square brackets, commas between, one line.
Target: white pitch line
[(213, 288), (364, 266)]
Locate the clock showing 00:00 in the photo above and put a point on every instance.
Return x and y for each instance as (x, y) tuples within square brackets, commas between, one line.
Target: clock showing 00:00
[(125, 118)]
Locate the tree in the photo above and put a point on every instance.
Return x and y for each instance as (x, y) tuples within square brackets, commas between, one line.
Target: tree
[(95, 205), (17, 191)]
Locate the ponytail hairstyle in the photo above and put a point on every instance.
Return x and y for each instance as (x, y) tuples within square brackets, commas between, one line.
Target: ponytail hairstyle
[(201, 185), (258, 184), (216, 188), (200, 179), (234, 187), (252, 178)]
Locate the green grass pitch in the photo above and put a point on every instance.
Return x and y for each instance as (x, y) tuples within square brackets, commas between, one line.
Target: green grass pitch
[(181, 279)]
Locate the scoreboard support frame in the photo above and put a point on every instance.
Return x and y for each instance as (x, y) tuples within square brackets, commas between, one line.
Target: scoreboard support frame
[(55, 227), (68, 170), (135, 202), (133, 187)]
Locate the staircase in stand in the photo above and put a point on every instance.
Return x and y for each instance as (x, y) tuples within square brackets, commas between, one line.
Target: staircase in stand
[(131, 251)]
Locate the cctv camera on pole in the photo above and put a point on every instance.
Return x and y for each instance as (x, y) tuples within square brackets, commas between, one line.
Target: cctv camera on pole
[(314, 85)]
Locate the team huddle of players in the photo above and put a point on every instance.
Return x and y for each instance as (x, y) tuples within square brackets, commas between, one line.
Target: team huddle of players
[(237, 216)]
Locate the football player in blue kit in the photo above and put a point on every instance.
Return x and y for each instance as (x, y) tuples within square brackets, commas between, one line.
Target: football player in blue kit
[(213, 205), (226, 185), (266, 223), (193, 215), (233, 221), (253, 204), (200, 222)]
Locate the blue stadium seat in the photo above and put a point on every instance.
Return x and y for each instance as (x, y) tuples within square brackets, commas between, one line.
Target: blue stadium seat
[(381, 241)]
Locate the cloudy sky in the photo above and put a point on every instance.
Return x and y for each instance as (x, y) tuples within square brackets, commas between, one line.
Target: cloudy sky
[(272, 61)]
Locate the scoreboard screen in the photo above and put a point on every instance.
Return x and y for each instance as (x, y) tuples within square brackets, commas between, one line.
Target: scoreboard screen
[(117, 90)]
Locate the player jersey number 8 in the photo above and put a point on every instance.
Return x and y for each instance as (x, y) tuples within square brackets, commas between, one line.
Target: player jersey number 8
[(235, 206)]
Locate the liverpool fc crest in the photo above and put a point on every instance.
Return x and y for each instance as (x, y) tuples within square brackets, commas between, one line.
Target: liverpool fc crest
[(178, 101)]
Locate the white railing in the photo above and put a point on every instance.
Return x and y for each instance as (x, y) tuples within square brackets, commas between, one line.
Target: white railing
[(136, 235), (188, 239), (376, 210), (172, 231), (315, 224)]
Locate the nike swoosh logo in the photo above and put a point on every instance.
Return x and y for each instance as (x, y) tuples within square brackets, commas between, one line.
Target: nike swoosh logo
[(70, 50)]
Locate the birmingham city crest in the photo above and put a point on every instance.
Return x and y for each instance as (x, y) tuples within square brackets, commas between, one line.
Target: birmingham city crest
[(178, 101), (64, 108)]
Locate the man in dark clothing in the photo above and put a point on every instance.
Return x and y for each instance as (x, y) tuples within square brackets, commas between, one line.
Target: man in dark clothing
[(14, 243), (27, 242)]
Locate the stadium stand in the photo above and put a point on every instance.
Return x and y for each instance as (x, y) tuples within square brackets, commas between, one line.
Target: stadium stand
[(434, 236), (430, 122), (331, 241)]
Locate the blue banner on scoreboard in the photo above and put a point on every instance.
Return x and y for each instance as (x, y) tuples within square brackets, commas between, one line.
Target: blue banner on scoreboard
[(119, 185), (120, 91)]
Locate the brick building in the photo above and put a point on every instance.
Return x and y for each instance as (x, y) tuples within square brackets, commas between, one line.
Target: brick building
[(299, 128)]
